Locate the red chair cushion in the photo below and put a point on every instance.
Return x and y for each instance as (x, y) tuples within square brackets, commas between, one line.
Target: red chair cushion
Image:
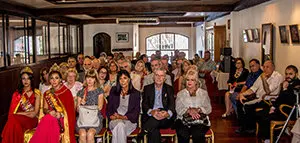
[(208, 133), (167, 131)]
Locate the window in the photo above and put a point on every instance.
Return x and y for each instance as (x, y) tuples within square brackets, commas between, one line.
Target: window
[(42, 51), (167, 43)]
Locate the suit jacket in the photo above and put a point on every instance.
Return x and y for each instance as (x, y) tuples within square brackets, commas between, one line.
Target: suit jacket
[(133, 105), (149, 99)]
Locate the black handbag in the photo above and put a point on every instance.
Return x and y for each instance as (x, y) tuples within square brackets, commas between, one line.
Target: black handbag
[(189, 121)]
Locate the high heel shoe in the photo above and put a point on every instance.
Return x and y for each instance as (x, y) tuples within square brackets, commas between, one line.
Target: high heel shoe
[(225, 115)]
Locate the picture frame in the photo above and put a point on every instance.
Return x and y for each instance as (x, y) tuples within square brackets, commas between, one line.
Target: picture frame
[(250, 35), (245, 36), (122, 37), (294, 34), (256, 35), (283, 34), (267, 42)]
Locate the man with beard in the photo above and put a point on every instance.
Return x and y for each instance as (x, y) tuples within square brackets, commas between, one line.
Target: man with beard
[(286, 96)]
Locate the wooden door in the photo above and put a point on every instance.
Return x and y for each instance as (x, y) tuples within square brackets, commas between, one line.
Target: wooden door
[(102, 43), (219, 41)]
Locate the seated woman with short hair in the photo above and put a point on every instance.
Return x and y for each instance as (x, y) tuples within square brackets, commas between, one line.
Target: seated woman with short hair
[(192, 107), (123, 108)]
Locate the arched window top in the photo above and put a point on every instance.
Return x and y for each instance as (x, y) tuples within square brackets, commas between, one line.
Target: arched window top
[(167, 43)]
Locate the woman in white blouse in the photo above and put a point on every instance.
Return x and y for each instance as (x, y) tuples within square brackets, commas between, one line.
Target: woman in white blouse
[(192, 107), (72, 84)]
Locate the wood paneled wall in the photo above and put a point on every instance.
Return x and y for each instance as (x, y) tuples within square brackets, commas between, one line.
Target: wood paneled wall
[(9, 82)]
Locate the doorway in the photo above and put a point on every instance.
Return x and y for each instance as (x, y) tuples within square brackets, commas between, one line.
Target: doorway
[(101, 43)]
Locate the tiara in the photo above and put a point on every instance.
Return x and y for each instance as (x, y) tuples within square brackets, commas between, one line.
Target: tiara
[(55, 67), (26, 70)]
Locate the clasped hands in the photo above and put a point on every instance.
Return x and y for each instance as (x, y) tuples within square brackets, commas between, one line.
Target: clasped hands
[(159, 114), (194, 112), (118, 116)]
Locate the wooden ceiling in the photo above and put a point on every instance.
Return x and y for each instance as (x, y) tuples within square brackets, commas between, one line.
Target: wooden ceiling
[(107, 11)]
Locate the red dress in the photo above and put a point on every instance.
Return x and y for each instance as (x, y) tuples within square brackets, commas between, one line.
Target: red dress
[(48, 130), (16, 125)]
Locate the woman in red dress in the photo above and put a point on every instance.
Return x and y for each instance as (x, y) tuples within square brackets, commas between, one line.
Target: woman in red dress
[(23, 109), (58, 124)]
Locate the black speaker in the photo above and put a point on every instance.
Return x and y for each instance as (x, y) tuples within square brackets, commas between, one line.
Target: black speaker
[(226, 51)]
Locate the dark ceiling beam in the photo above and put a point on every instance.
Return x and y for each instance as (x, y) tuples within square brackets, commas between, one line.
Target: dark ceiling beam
[(99, 21), (104, 1), (137, 8), (165, 25), (243, 4), (13, 8), (182, 19), (126, 15), (161, 20)]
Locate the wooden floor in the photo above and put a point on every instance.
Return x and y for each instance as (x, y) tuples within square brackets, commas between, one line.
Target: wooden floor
[(224, 129)]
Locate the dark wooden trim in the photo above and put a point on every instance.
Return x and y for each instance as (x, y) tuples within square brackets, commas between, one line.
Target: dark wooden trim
[(58, 2), (137, 8), (135, 14), (33, 24), (244, 4), (165, 25), (48, 36), (182, 19), (81, 38), (4, 38), (11, 7), (102, 21)]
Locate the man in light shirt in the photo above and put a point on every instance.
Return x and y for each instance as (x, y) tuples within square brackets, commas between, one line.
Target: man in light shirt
[(266, 86), (155, 64)]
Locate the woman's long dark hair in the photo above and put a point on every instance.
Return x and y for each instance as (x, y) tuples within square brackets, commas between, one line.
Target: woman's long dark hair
[(107, 73), (118, 85), (20, 85)]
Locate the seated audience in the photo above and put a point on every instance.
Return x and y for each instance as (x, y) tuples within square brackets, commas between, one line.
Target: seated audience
[(71, 83), (155, 64), (44, 85), (88, 96), (265, 87), (254, 65), (104, 80), (58, 124), (23, 110), (158, 107), (236, 82), (113, 69), (123, 108), (286, 96), (192, 107)]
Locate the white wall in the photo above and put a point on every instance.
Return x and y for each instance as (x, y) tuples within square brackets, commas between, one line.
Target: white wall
[(190, 32), (111, 29), (278, 12), (200, 39)]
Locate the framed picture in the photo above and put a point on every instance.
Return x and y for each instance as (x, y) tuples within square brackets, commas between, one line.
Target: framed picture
[(294, 33), (267, 42), (122, 37), (245, 36), (250, 35), (256, 35), (283, 34)]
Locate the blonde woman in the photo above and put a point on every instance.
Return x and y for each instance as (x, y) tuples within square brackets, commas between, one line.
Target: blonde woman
[(90, 95), (72, 84), (192, 107), (179, 83), (63, 69), (137, 76)]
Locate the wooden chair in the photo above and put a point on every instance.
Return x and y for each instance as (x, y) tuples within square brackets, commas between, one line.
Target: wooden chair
[(134, 134), (210, 136), (277, 125)]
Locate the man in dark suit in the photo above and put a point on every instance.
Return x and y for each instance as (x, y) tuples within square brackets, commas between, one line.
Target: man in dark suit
[(158, 107)]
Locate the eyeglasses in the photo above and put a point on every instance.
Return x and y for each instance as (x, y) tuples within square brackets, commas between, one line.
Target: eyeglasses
[(103, 72)]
